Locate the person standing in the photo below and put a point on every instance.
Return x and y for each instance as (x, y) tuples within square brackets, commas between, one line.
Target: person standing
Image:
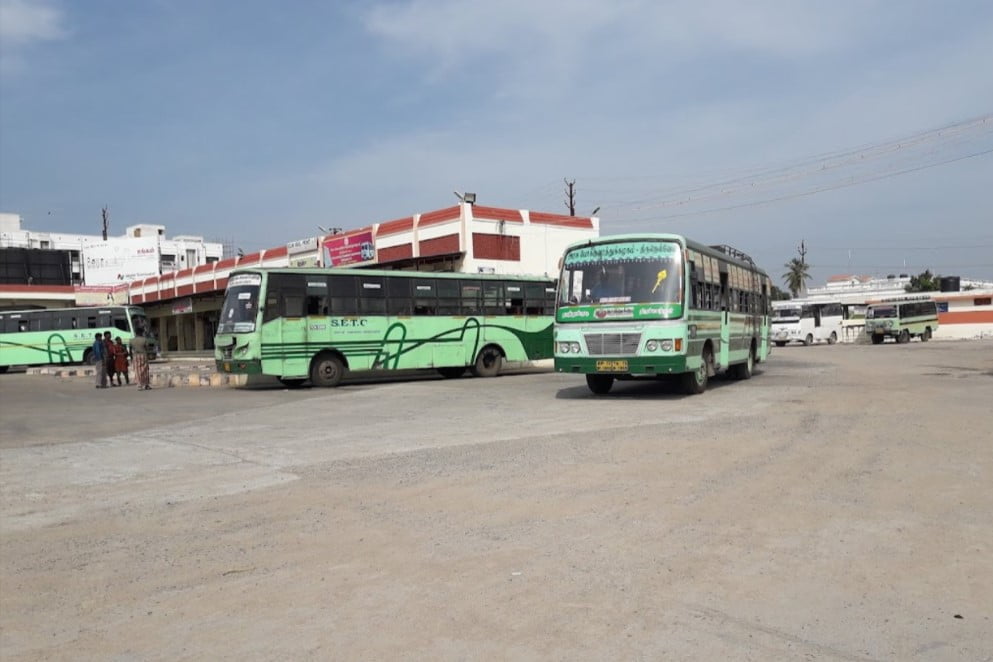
[(139, 354), (108, 343), (121, 361), (98, 354)]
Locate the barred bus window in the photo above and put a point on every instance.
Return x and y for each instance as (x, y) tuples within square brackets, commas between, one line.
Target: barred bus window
[(448, 296), (399, 301), (534, 296), (425, 298), (342, 294), (471, 295)]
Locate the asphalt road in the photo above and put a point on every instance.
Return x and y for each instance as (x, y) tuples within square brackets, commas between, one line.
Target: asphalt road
[(836, 506)]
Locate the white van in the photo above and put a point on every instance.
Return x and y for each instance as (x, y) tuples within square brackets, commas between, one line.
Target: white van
[(806, 322)]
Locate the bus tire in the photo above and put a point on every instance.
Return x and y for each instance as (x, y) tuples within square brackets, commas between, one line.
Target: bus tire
[(291, 382), (926, 335), (745, 370), (326, 370), (86, 356), (904, 337), (877, 339), (780, 343), (452, 372), (599, 384), (695, 383), (833, 338), (809, 340), (488, 362)]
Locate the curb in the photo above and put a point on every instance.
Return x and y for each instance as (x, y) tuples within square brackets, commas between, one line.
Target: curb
[(158, 379)]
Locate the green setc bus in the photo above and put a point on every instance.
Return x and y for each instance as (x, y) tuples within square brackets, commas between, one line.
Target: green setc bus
[(63, 335), (901, 319), (652, 305), (319, 324)]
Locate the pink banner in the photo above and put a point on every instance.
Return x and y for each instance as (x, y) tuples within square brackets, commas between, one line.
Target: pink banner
[(342, 250)]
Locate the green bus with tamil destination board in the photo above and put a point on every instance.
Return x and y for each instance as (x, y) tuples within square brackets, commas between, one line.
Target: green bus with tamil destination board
[(655, 305)]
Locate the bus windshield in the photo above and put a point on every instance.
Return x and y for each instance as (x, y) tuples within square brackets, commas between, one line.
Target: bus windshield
[(787, 313), (621, 273), (241, 304), (880, 312)]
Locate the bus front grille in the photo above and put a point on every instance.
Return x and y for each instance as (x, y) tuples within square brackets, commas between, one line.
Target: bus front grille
[(612, 344)]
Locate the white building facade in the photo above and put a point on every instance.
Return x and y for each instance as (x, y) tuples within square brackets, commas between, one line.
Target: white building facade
[(142, 251)]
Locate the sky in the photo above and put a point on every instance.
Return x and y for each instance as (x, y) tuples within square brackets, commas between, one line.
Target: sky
[(862, 128)]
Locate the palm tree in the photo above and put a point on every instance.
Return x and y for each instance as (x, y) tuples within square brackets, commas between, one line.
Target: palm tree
[(796, 276)]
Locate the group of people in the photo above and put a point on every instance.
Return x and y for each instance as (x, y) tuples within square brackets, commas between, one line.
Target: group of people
[(112, 359)]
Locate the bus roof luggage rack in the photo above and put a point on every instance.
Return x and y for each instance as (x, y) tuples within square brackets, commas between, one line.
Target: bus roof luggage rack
[(733, 252)]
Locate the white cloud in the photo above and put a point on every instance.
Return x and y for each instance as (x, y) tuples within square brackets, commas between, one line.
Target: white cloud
[(24, 23)]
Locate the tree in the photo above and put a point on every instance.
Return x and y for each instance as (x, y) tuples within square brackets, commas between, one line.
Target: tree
[(924, 282), (778, 294), (796, 276)]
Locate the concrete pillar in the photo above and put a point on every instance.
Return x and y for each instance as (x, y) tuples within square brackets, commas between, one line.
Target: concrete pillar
[(198, 343)]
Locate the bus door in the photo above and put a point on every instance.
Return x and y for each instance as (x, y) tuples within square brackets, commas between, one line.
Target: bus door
[(817, 317), (725, 352)]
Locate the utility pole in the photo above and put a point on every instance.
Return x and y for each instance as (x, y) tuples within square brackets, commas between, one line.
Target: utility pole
[(570, 196), (106, 222)]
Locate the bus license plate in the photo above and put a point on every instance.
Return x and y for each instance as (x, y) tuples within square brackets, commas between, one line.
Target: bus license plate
[(611, 366), (227, 367)]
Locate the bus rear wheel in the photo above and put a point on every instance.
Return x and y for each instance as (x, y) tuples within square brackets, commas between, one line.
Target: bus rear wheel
[(600, 384), (695, 383), (488, 363), (904, 337), (326, 370), (745, 370), (833, 338), (926, 335)]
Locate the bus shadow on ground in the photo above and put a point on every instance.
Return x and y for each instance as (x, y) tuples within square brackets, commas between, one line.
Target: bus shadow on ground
[(659, 388), (379, 378)]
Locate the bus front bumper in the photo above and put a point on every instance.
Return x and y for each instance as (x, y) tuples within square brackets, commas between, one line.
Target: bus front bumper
[(239, 367), (635, 365)]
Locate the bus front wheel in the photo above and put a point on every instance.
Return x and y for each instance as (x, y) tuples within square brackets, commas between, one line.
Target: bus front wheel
[(833, 338), (695, 383), (600, 384), (926, 335), (488, 363), (326, 370), (809, 340)]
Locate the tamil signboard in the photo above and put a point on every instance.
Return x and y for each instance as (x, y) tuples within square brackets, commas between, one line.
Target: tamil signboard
[(343, 250), (120, 260)]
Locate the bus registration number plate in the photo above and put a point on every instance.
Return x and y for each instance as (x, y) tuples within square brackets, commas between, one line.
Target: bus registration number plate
[(611, 366), (227, 367)]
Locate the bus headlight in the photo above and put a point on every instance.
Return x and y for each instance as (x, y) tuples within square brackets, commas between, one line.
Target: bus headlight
[(575, 347), (651, 345), (666, 345), (563, 348)]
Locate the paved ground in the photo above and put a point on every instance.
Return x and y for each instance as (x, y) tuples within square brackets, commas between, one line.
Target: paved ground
[(836, 506)]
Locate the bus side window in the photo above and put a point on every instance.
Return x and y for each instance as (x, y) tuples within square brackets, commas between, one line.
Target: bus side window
[(425, 298), (493, 303), (121, 324), (317, 302), (342, 290), (471, 295), (534, 297), (399, 301), (91, 322), (372, 295), (22, 325), (448, 297), (514, 303)]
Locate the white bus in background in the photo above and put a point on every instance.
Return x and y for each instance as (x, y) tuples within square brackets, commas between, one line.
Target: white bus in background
[(806, 322)]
